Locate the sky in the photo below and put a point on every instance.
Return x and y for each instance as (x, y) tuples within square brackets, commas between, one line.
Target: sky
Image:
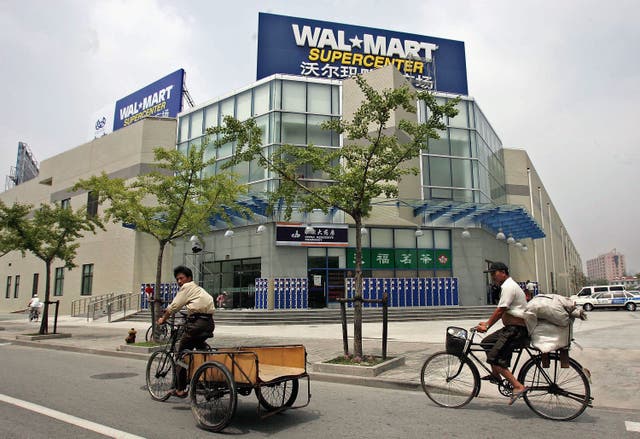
[(559, 79)]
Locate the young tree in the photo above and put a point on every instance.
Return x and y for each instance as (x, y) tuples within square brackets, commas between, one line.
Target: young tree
[(175, 200), (50, 233), (366, 168)]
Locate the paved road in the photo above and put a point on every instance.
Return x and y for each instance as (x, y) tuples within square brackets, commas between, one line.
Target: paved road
[(51, 393)]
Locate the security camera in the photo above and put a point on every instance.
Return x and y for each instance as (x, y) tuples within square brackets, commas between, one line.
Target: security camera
[(196, 245)]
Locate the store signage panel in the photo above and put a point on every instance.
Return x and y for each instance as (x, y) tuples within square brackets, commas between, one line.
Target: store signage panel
[(324, 235), (163, 98), (322, 49)]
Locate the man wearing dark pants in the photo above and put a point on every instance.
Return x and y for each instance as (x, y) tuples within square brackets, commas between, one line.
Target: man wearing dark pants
[(199, 325), (501, 343)]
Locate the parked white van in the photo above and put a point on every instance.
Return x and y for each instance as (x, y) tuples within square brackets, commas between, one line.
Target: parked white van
[(588, 291)]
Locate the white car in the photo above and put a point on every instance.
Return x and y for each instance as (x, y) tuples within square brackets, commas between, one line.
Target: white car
[(618, 299)]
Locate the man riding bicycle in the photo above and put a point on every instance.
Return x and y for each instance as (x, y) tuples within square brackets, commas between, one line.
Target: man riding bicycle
[(199, 325), (501, 343)]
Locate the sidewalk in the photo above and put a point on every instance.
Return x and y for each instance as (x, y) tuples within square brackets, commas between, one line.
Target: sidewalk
[(413, 340)]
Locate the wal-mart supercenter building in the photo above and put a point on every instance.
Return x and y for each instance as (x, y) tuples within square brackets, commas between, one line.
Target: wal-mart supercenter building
[(473, 202)]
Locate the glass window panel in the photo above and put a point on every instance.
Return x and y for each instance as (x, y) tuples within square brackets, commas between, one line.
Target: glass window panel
[(196, 124), (340, 254), (211, 116), (209, 171), (263, 123), (442, 238), (220, 164), (460, 120), (405, 238), (462, 195), (335, 99), (440, 171), (426, 240), (261, 99), (242, 169), (183, 147), (441, 145), (256, 172), (316, 135), (210, 152), (425, 170), (474, 144), (461, 173), (243, 105), (441, 193), (460, 143), (277, 95), (365, 238), (226, 108), (294, 96), (317, 252), (276, 131), (293, 128), (184, 129), (225, 150), (382, 238), (258, 188), (319, 96)]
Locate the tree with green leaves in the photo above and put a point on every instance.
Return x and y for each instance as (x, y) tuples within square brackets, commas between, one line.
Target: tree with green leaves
[(367, 167), (50, 232), (174, 200)]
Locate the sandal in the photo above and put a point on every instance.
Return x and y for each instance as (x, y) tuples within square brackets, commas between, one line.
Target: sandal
[(517, 395), (180, 393)]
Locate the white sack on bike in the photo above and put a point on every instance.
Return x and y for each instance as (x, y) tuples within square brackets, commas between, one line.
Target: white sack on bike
[(549, 318)]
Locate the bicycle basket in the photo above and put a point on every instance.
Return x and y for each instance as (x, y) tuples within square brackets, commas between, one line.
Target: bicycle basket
[(456, 339)]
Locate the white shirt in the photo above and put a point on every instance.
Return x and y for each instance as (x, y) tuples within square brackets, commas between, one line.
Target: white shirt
[(512, 297)]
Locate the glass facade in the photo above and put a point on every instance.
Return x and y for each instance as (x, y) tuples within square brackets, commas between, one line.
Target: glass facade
[(287, 110), (466, 163)]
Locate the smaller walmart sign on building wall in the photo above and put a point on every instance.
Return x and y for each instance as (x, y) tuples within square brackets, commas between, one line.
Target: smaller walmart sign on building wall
[(163, 98), (313, 48)]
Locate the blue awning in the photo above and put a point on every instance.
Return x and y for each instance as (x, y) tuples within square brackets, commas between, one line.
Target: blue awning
[(514, 220)]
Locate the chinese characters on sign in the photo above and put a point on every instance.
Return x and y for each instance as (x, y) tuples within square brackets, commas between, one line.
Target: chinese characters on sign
[(321, 49)]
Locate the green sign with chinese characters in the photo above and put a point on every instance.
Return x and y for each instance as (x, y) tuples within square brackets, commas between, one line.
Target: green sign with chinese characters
[(351, 258), (382, 258), (401, 259), (406, 258), (443, 259)]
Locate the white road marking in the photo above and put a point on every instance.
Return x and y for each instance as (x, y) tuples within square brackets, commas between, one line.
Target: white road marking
[(632, 426), (69, 419), (4, 344)]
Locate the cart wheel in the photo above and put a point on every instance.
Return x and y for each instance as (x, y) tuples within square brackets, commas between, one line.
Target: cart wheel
[(213, 396), (275, 396), (161, 375)]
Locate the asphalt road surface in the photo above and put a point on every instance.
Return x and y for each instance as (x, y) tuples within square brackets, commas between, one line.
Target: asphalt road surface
[(61, 394)]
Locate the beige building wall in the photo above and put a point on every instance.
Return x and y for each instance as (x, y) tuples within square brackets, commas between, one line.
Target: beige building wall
[(122, 258), (552, 261)]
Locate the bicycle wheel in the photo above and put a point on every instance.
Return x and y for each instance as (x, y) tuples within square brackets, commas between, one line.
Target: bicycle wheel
[(161, 375), (213, 396), (274, 396), (555, 393), (448, 380), (163, 333)]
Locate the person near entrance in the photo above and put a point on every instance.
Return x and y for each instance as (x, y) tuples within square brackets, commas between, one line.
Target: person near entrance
[(501, 343), (199, 325)]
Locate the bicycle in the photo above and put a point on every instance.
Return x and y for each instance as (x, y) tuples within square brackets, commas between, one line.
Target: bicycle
[(164, 331), (34, 314), (161, 366), (451, 379)]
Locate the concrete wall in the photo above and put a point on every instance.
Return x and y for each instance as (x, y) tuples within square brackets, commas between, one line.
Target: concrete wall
[(554, 256), (122, 258)]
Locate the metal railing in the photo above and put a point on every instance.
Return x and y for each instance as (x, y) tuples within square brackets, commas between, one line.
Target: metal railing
[(105, 305)]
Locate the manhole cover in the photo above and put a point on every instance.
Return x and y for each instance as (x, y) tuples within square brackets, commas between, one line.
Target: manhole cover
[(113, 375)]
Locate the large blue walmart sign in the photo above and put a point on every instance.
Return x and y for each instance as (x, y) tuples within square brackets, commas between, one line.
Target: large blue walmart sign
[(163, 98), (323, 49)]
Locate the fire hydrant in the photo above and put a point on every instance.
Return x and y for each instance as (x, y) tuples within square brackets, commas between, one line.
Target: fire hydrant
[(131, 338)]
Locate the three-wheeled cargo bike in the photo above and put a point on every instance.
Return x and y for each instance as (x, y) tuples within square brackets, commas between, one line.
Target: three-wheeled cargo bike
[(218, 376)]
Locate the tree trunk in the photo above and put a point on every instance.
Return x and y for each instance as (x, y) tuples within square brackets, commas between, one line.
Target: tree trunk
[(44, 322), (357, 304), (156, 305)]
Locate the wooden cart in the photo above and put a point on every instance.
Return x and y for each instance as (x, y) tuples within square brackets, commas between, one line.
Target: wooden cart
[(218, 376)]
